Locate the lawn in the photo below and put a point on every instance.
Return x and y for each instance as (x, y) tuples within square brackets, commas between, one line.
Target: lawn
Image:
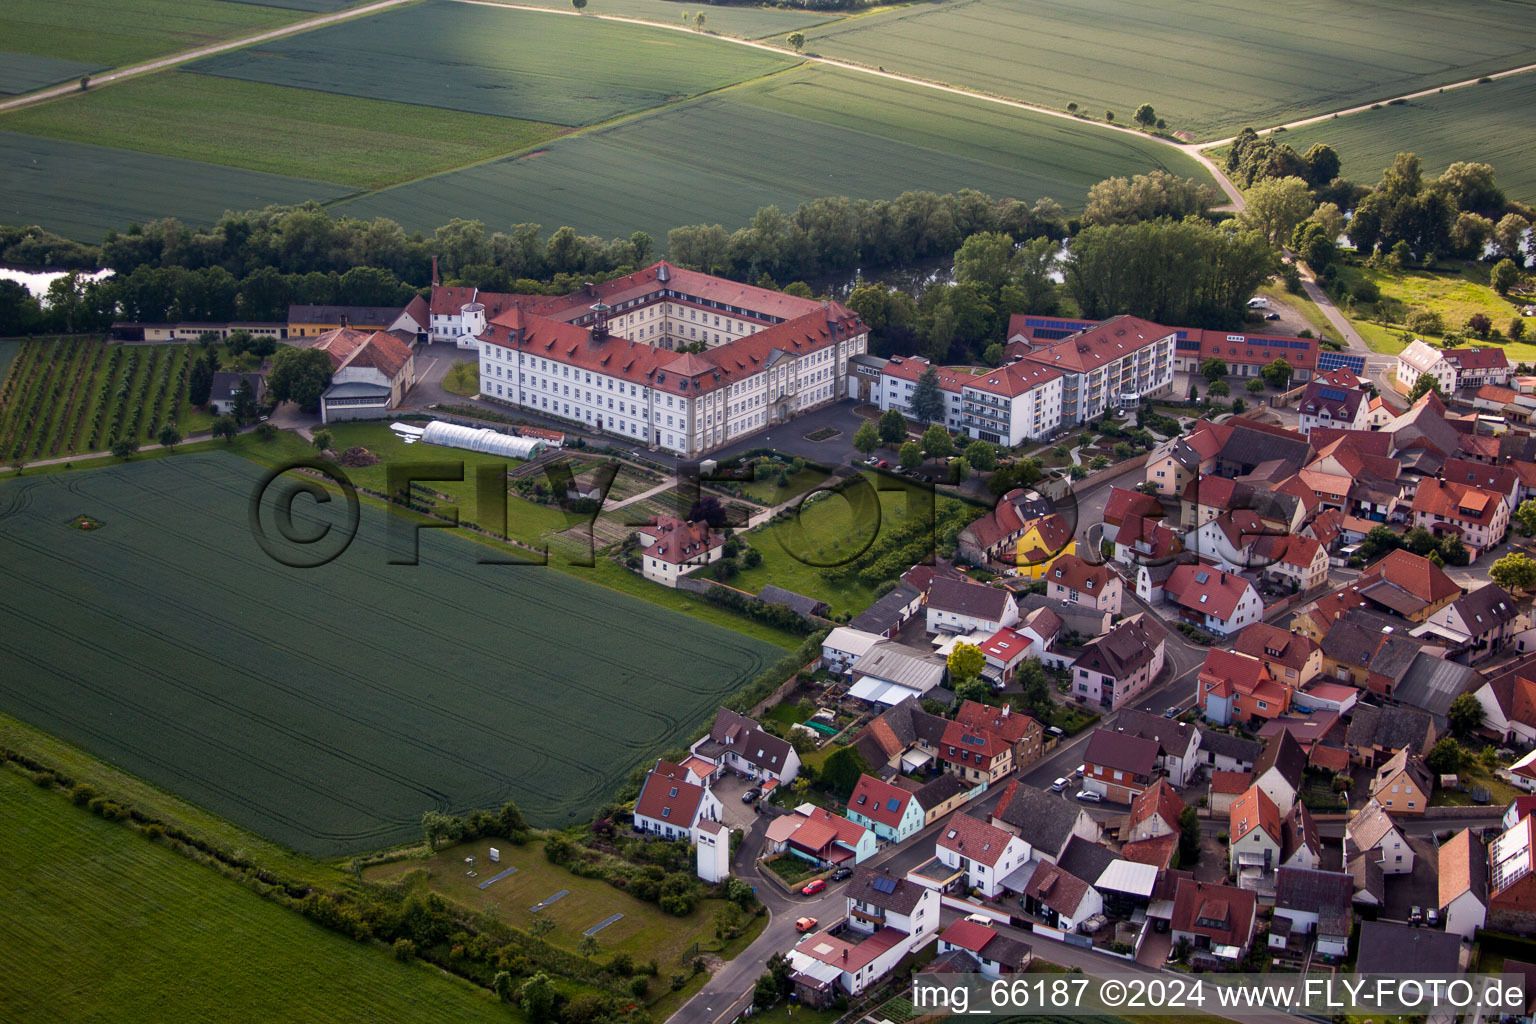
[(361, 143), (854, 135), (509, 63), (82, 191), (829, 531), (1475, 123), (1500, 793), (328, 708), (1209, 67), (644, 932), (1456, 293), (105, 925), (742, 20), (115, 32)]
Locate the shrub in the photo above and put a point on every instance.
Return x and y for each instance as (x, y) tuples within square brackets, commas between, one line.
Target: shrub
[(404, 950)]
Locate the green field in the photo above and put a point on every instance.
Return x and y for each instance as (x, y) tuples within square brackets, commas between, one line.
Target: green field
[(509, 63), (731, 20), (328, 708), (1208, 66), (853, 135), (1479, 123), (1456, 295), (356, 142), (83, 191), (67, 396), (103, 925), (116, 32), (22, 72)]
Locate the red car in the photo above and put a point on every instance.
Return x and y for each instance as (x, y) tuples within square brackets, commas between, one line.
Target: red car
[(812, 888), (882, 464)]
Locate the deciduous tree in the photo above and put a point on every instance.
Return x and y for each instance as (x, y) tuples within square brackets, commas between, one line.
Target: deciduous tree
[(867, 438), (1515, 571), (893, 426)]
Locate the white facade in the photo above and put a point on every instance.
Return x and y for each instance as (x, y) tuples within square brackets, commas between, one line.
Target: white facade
[(712, 851), (1419, 358), (1465, 915), (984, 876)]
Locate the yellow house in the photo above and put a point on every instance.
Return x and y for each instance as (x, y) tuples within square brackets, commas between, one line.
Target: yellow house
[(1045, 539)]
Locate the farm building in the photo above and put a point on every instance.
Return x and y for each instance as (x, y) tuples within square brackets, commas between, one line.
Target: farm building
[(370, 372)]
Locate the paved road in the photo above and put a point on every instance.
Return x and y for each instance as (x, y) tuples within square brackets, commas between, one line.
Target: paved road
[(160, 63)]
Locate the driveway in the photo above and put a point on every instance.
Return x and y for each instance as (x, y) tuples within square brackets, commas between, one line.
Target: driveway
[(1419, 889), (736, 814)]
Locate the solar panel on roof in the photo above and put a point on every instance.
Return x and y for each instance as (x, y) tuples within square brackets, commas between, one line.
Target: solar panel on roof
[(1331, 394), (884, 884)]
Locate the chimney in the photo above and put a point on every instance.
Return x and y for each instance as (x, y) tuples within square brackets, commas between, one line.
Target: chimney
[(434, 272)]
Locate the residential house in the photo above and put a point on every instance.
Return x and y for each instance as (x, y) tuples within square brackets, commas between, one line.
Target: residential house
[(1208, 497), (1215, 601), (1119, 767), (1522, 773), (1376, 733), (1478, 624), (672, 547), (876, 899), (1402, 785), (1290, 659), (1502, 480), (827, 966), (1224, 752), (903, 739), (1077, 621), (1512, 884), (1518, 808), (738, 743), (1075, 581), (817, 835), (226, 386), (1024, 732), (1369, 650), (1042, 820), (1401, 584), (893, 814), (1122, 664), (1301, 845), (1110, 366), (1280, 770), (1452, 368), (1291, 559), (1178, 742), (1254, 840), (1479, 517), (1334, 398), (1144, 540), (1234, 687), (1462, 874), (1509, 706), (1173, 464), (1154, 813), (844, 646), (672, 803), (1400, 949), (994, 953), (975, 754), (1232, 540), (996, 535), (1157, 851), (890, 672), (1372, 830), (1226, 788), (1046, 539), (986, 853), (1059, 898), (1369, 881), (1035, 635), (1216, 920), (943, 794), (1123, 503), (961, 606), (1007, 406), (1312, 902)]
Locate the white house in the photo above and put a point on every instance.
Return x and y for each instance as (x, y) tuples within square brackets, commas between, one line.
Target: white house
[(844, 646), (1217, 602), (738, 743), (1452, 368), (1310, 902), (986, 853), (712, 851), (371, 372), (1122, 664), (1008, 405), (1372, 828), (891, 812), (672, 806), (1073, 580), (1061, 898), (888, 918), (1334, 398), (961, 606), (994, 953), (1462, 872), (1254, 844), (671, 547)]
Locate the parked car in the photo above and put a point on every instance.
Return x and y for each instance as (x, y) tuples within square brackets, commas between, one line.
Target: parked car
[(1272, 316), (1089, 796), (882, 464), (1172, 711), (813, 887), (842, 873), (805, 924), (751, 795), (978, 919), (1432, 917), (1082, 770), (1416, 917), (1059, 785)]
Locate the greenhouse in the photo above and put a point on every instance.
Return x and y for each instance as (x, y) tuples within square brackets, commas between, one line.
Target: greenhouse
[(481, 439)]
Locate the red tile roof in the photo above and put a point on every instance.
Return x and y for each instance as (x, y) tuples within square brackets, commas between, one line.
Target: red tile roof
[(1254, 809), (1074, 573), (1220, 912), (1246, 673), (1460, 502), (1476, 358), (1160, 800), (1011, 725), (1096, 346), (680, 542), (378, 349), (1123, 502), (1221, 590), (1271, 643), (968, 935), (974, 839), (1157, 851), (668, 796), (1231, 782), (879, 801), (1057, 888)]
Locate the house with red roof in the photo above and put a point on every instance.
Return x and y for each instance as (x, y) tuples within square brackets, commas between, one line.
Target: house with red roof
[(1478, 516), (996, 535), (1254, 840), (1334, 398), (1290, 658), (1059, 898), (1452, 368), (1119, 767), (821, 837), (1005, 405), (1075, 581), (371, 371), (888, 918), (1401, 584), (986, 853), (976, 755), (1218, 602), (1155, 813), (1142, 539), (1175, 463), (994, 953), (671, 547), (1123, 503), (1502, 480), (1032, 637), (1226, 787), (1292, 559), (1235, 687), (1216, 920), (888, 811), (1023, 732), (673, 802)]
